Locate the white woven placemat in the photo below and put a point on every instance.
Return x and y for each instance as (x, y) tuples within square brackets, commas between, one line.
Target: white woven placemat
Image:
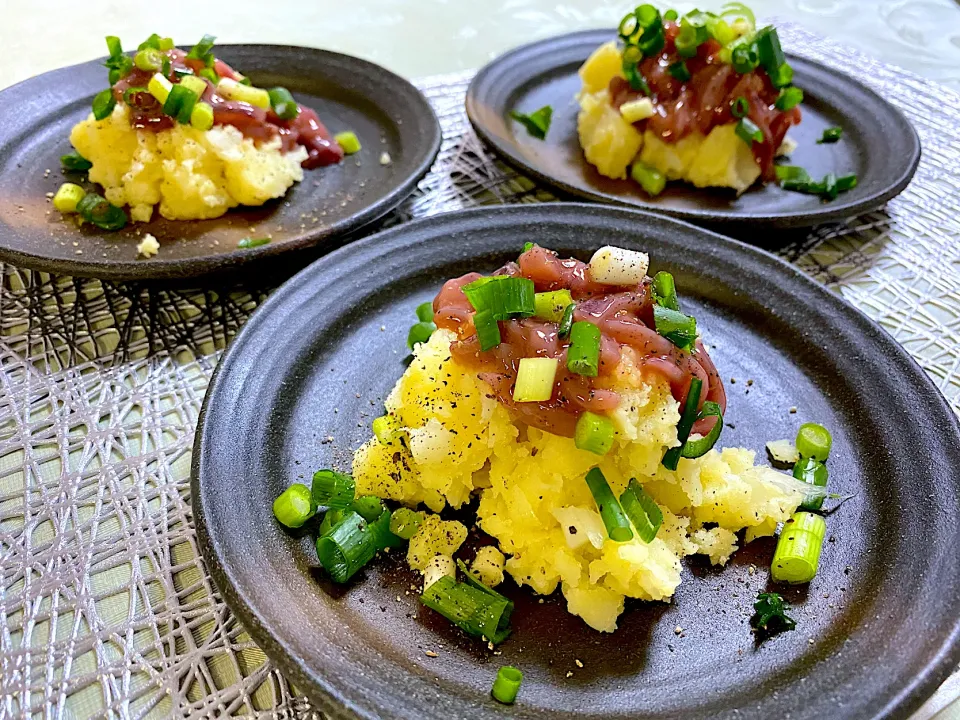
[(106, 608)]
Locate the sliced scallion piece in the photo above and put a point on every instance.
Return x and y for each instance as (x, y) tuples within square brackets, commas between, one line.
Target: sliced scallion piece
[(798, 549), (665, 291), (831, 135), (294, 507), (698, 448), (527, 247), (349, 545), (349, 141), (814, 441), (789, 98), (202, 116), (179, 103), (148, 59), (96, 210), (369, 507), (103, 104), (67, 198), (812, 472), (679, 70), (329, 522), (152, 42), (488, 331), (481, 613), (594, 433), (202, 48), (419, 333), (740, 107), (333, 489), (209, 74), (113, 46), (286, 107), (583, 355), (744, 57), (748, 131), (671, 15), (507, 685), (676, 327), (689, 416), (425, 312), (566, 322), (768, 47), (535, 379), (642, 511), (770, 616), (249, 242), (616, 523), (650, 179), (782, 76), (504, 296), (75, 162), (551, 305), (537, 123), (404, 522)]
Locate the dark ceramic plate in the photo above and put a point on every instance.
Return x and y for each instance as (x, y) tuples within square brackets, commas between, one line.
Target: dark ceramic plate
[(387, 113), (877, 630), (878, 144)]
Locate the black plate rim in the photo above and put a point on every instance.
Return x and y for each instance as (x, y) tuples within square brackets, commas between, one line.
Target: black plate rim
[(328, 698), (834, 211), (158, 268)]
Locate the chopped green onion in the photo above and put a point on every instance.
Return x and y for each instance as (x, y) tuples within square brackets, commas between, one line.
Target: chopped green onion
[(382, 527), (202, 48), (348, 141), (720, 29), (103, 104), (75, 162), (194, 83), (676, 327), (507, 685), (768, 47), (333, 489), (628, 27), (740, 107), (652, 37), (798, 549), (425, 311), (583, 355), (671, 458), (159, 87), (405, 522), (202, 116), (616, 523), (699, 448), (748, 131), (670, 15), (814, 441), (130, 93), (738, 10), (209, 74), (632, 55), (551, 305), (792, 174), (165, 66), (789, 98), (488, 331), (650, 179), (594, 433), (249, 242), (387, 429), (179, 103), (95, 209), (693, 33), (166, 44), (537, 123), (504, 296), (527, 247), (812, 472), (294, 507), (535, 379), (846, 182), (830, 191), (479, 612), (770, 614), (152, 42), (566, 322), (831, 135), (665, 291), (329, 522), (114, 47), (232, 90), (148, 59), (286, 107), (349, 545), (419, 333), (642, 511), (782, 76), (68, 197), (369, 507), (679, 70), (744, 57), (796, 178)]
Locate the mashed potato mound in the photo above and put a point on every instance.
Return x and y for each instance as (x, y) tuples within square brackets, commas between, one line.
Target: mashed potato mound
[(611, 144), (533, 497), (192, 174)]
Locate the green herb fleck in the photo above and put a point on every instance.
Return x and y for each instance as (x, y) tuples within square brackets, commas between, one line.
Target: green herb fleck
[(831, 135), (537, 123), (771, 616), (253, 242)]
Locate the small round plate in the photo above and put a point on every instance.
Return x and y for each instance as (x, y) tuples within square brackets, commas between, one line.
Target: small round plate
[(878, 143), (386, 112), (877, 630)]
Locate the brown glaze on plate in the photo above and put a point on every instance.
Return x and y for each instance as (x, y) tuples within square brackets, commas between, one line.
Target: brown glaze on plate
[(386, 112), (877, 631), (879, 143)]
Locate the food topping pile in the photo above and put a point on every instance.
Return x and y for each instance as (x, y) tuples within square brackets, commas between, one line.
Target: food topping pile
[(576, 405)]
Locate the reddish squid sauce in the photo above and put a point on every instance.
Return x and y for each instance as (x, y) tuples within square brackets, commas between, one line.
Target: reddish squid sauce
[(257, 123), (704, 101), (625, 318)]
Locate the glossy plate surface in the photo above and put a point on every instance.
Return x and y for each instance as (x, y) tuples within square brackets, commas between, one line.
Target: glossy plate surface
[(878, 143), (298, 388), (386, 112)]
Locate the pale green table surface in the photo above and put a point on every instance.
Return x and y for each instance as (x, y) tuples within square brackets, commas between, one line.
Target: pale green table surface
[(428, 37)]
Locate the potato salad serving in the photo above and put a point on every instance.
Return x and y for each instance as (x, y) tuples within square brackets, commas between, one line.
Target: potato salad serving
[(185, 134), (577, 408), (703, 98)]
